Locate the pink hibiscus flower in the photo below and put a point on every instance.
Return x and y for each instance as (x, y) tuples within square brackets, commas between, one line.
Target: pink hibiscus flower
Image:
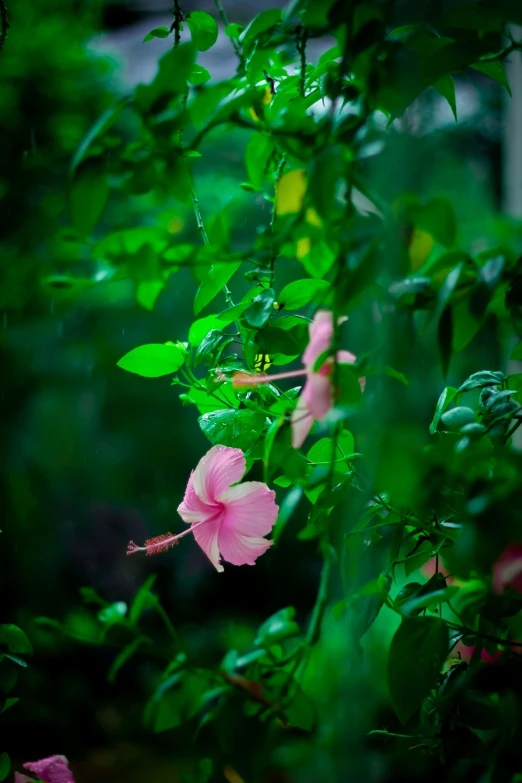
[(316, 397), (54, 769), (228, 519), (507, 569)]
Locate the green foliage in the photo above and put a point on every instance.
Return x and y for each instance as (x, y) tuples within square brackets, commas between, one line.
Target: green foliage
[(152, 361), (342, 211)]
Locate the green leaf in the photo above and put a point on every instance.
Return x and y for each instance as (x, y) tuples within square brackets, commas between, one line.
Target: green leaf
[(102, 124), (143, 600), (234, 30), (121, 244), (261, 23), (301, 292), (147, 293), (325, 171), (15, 639), (113, 613), (240, 429), (153, 360), (258, 313), (399, 376), (8, 678), (88, 194), (444, 400), (217, 277), (124, 656), (198, 75), (416, 655), (176, 700), (170, 80), (437, 218), (258, 152), (5, 765), (200, 328), (203, 29), (479, 380), (222, 398), (278, 627), (417, 603), (158, 32), (446, 87), (286, 509), (319, 260), (457, 417), (495, 70), (272, 340), (212, 347)]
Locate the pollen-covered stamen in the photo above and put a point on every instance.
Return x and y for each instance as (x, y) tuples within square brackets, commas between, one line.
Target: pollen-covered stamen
[(154, 546), (241, 380)]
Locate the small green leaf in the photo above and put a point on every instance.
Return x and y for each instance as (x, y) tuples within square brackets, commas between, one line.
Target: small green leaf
[(88, 194), (5, 765), (446, 87), (113, 613), (212, 347), (430, 600), (495, 70), (301, 292), (457, 417), (239, 429), (416, 655), (257, 155), (278, 627), (120, 244), (15, 639), (443, 402), (158, 32), (261, 23), (479, 380), (217, 277), (102, 124), (124, 656), (153, 360), (399, 376), (234, 30), (198, 75), (258, 313), (143, 599), (203, 29), (272, 340)]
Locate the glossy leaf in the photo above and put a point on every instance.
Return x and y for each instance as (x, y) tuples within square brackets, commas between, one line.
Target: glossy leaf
[(417, 653), (203, 29), (153, 360)]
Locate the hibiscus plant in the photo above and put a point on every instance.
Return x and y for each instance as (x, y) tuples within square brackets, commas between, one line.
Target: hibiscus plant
[(309, 346)]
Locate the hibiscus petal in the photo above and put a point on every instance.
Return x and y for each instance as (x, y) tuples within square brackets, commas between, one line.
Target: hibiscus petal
[(192, 509), (318, 395), (321, 335), (345, 357), (206, 536), (217, 470), (250, 509), (241, 550), (54, 769), (302, 421)]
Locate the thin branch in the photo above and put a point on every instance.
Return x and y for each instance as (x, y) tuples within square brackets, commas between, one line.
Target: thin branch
[(302, 37), (234, 41), (176, 24), (480, 635)]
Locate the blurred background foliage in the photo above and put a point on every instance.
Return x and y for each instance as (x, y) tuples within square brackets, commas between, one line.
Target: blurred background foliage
[(93, 456)]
